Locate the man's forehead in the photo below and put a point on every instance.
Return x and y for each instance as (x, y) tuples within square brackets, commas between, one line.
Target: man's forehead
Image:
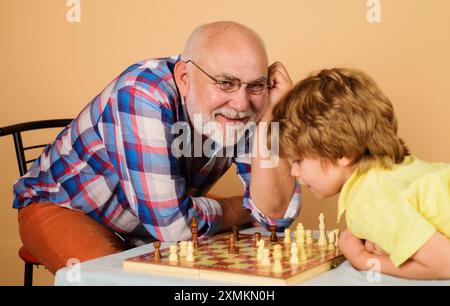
[(246, 70)]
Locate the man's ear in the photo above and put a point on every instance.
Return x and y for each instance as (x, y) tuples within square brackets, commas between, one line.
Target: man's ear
[(181, 77)]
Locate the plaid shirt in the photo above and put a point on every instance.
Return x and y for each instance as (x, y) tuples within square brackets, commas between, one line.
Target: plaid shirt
[(114, 163)]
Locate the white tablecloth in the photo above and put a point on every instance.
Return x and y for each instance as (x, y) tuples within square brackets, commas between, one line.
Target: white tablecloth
[(108, 271)]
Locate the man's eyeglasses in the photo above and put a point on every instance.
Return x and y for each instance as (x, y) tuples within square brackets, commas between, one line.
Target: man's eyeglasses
[(233, 84)]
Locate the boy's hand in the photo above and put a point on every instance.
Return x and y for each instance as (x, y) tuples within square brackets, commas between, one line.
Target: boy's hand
[(374, 249), (353, 249), (279, 83)]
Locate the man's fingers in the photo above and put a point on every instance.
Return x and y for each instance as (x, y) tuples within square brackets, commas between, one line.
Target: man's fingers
[(278, 74)]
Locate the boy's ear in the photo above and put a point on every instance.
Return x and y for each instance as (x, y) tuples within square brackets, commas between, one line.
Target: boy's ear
[(344, 161), (181, 77)]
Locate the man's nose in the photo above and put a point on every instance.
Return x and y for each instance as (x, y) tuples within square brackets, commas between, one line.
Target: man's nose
[(240, 100)]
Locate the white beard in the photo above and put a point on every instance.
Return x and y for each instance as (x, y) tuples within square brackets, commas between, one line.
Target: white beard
[(204, 123)]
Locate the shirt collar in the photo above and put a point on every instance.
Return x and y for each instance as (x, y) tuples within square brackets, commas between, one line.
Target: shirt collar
[(344, 195)]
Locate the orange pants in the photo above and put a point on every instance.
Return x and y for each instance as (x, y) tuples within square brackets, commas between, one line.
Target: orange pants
[(54, 235)]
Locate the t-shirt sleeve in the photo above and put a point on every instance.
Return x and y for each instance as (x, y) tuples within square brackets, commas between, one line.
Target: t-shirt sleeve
[(394, 225)]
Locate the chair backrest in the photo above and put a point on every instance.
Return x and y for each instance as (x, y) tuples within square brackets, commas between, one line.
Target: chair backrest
[(16, 132)]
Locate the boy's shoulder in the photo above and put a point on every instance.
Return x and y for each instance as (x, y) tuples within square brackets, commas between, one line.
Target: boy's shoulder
[(381, 184)]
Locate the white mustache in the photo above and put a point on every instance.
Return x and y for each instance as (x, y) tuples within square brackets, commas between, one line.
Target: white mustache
[(232, 113)]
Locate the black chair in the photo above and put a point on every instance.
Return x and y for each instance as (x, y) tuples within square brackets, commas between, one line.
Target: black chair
[(16, 131)]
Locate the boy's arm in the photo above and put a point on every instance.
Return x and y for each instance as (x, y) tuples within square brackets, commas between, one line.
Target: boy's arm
[(431, 261)]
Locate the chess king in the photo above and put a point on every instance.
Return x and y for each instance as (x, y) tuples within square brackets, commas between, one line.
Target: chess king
[(112, 169)]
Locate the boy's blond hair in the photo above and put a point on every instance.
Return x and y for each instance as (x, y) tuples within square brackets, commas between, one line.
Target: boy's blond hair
[(339, 112)]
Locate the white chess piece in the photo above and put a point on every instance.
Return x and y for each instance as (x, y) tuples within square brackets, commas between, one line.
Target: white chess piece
[(277, 253), (287, 236), (190, 252), (309, 239), (277, 266), (266, 258), (322, 234), (183, 248), (294, 255), (173, 256), (302, 253), (331, 246), (299, 232), (336, 237)]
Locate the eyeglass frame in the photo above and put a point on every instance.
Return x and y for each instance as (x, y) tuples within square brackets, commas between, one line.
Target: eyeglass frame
[(220, 82)]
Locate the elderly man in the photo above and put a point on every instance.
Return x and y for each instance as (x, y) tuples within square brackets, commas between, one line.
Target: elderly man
[(113, 170)]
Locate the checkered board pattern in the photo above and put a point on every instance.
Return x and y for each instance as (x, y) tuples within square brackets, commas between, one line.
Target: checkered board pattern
[(214, 260)]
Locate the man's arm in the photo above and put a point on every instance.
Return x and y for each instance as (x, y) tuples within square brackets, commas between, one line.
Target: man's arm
[(233, 213), (271, 188), (431, 261)]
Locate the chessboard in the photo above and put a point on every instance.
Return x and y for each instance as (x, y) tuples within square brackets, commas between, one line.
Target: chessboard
[(214, 260)]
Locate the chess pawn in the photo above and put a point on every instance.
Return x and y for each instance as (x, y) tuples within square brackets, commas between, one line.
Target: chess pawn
[(259, 251), (273, 235), (287, 236), (173, 256), (294, 255), (331, 246), (277, 253), (232, 244), (266, 258), (309, 239), (277, 266), (236, 233), (190, 251), (259, 255), (261, 244), (256, 238), (157, 246), (336, 237), (183, 248)]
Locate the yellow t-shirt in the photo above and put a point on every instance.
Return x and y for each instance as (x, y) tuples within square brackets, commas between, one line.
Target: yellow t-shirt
[(398, 209)]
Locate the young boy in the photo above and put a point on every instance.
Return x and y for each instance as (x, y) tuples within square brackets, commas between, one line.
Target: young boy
[(340, 133)]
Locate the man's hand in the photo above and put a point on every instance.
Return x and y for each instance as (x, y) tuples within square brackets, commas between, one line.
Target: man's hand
[(233, 212), (279, 81)]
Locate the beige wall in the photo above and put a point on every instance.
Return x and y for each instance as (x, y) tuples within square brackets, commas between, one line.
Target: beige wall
[(52, 68)]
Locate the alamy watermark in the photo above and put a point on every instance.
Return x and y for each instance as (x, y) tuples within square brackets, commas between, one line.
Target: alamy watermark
[(227, 140), (374, 12), (373, 275), (74, 12), (74, 270)]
